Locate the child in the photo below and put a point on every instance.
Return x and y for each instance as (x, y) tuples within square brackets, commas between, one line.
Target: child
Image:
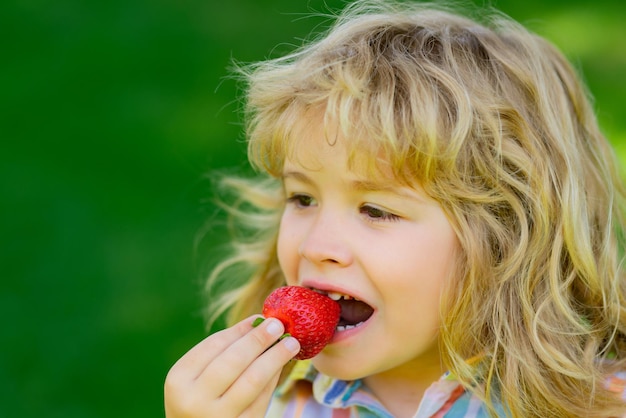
[(448, 179)]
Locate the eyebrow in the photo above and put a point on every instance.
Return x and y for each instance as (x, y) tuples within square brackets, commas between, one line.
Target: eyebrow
[(301, 177), (360, 185)]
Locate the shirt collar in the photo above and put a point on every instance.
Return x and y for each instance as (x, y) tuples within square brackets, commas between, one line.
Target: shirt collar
[(336, 393)]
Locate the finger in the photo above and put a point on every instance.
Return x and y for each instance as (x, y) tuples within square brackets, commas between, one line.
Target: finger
[(190, 366), (232, 362), (259, 406), (257, 382)]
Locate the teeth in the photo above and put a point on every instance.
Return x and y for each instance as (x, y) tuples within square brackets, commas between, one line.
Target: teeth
[(347, 327), (335, 295)]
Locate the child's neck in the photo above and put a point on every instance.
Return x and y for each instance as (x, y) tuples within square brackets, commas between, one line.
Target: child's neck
[(401, 389)]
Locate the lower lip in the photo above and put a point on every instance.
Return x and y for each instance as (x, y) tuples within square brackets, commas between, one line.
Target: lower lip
[(348, 333)]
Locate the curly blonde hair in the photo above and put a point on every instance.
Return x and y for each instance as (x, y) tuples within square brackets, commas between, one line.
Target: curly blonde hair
[(492, 122)]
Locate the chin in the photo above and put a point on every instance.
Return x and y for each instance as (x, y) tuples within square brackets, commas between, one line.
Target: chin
[(338, 368)]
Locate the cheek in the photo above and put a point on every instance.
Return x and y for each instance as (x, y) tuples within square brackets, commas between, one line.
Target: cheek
[(287, 251), (421, 275)]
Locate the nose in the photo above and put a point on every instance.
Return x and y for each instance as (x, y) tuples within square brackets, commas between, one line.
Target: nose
[(327, 241)]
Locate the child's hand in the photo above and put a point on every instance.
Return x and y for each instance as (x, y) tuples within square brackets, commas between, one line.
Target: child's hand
[(231, 373)]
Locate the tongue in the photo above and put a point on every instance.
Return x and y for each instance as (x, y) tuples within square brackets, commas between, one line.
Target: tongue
[(354, 311)]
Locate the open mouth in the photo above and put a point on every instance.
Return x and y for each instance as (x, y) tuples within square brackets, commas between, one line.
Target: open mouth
[(354, 312)]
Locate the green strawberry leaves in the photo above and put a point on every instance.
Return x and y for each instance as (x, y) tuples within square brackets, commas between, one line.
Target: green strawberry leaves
[(260, 320)]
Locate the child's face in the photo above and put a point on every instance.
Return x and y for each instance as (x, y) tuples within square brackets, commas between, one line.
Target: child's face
[(373, 239)]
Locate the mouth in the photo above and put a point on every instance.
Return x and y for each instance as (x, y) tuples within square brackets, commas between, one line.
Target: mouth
[(354, 312)]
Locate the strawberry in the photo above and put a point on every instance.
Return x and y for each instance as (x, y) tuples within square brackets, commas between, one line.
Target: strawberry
[(308, 316)]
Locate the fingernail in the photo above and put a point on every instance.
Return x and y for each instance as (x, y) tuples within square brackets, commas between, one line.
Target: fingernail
[(274, 328), (292, 344)]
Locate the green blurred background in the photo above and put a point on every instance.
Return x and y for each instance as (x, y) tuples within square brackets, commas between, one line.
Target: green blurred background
[(112, 112)]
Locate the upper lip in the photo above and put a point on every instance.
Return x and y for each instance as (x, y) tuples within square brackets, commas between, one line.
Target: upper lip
[(328, 288)]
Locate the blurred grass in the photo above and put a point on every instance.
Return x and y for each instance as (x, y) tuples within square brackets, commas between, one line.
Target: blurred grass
[(111, 113)]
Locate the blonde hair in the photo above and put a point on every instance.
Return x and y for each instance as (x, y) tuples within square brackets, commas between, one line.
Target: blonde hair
[(492, 122)]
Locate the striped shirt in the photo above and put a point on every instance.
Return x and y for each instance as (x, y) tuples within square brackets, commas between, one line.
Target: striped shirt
[(306, 393)]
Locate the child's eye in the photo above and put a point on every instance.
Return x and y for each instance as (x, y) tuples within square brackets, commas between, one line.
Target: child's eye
[(301, 200), (376, 214)]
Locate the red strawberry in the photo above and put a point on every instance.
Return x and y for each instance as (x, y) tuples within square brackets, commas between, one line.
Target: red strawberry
[(308, 316)]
